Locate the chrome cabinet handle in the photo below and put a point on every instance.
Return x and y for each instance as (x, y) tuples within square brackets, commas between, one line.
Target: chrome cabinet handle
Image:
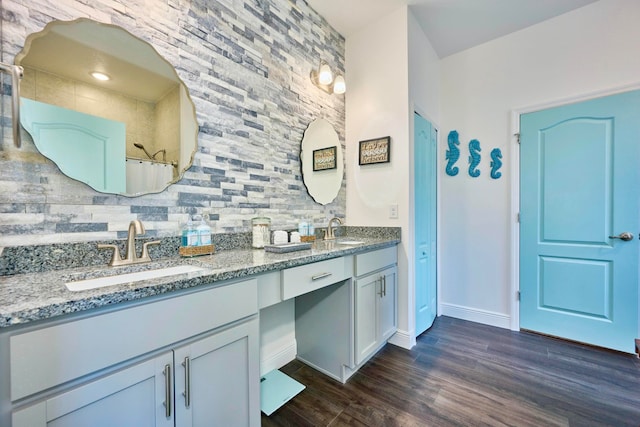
[(626, 236), (187, 382), (320, 276), (384, 286), (167, 390)]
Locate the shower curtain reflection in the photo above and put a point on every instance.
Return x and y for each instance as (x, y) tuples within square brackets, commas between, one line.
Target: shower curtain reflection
[(147, 177)]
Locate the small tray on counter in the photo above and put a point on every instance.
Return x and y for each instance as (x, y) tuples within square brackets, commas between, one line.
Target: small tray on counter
[(191, 251), (287, 247)]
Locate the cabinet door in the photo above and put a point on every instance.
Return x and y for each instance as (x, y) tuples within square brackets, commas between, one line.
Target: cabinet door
[(218, 379), (367, 296), (132, 397), (376, 311), (388, 312)]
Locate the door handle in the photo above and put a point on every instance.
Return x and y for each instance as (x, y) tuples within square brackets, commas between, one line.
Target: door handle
[(626, 236)]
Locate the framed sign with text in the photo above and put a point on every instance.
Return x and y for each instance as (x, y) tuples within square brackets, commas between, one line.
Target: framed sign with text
[(375, 151), (324, 159)]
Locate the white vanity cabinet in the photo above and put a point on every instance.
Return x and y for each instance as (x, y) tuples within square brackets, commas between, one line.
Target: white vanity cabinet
[(217, 379), (376, 315), (201, 368), (133, 396)]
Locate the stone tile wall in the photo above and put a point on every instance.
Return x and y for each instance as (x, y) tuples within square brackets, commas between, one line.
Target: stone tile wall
[(246, 64)]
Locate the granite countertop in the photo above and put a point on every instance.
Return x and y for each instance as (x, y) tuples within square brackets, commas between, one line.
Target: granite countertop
[(38, 296)]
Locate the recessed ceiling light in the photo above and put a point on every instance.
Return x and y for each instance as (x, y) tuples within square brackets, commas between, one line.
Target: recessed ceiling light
[(100, 76)]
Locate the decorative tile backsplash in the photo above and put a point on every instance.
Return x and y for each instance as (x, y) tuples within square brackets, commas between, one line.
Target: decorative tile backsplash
[(246, 64)]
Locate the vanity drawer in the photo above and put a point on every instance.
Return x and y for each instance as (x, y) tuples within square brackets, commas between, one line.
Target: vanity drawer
[(53, 355), (375, 260), (307, 278)]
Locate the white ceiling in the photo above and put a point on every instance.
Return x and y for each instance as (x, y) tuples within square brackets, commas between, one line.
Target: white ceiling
[(450, 25)]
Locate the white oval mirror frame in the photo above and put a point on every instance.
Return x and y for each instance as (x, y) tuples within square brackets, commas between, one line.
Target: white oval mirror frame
[(151, 82), (323, 185)]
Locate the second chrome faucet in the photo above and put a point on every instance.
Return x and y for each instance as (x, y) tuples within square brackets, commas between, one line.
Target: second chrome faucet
[(130, 257)]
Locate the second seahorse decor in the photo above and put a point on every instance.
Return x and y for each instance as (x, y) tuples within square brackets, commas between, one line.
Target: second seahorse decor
[(452, 155), (474, 158)]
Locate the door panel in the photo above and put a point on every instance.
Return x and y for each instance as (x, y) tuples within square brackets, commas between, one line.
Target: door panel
[(579, 186), (425, 222), (588, 143), (88, 148), (366, 315), (388, 316), (132, 397), (217, 379), (564, 278)]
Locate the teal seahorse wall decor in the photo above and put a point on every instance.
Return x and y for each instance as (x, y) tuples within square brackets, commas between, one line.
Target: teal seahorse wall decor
[(474, 158), (496, 163), (453, 153)]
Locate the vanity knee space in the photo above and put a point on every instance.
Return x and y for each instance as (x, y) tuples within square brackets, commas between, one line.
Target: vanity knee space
[(333, 315)]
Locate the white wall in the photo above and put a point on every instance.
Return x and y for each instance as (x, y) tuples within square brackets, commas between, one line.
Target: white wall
[(424, 75), (376, 63), (383, 61), (592, 49)]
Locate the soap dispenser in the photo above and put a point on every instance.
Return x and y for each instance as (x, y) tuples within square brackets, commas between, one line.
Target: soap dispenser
[(204, 233), (189, 233)]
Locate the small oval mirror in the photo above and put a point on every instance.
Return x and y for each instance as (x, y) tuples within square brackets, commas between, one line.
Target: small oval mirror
[(322, 161), (106, 107)]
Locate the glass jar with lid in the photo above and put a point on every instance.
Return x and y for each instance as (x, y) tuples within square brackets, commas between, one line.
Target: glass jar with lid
[(261, 232)]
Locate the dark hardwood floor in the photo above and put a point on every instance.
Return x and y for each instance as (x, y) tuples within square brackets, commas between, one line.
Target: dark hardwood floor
[(466, 374)]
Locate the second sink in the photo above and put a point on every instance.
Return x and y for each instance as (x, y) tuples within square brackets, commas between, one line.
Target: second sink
[(349, 242)]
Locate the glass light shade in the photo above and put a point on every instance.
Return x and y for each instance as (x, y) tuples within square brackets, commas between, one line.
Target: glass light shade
[(339, 86), (324, 75)]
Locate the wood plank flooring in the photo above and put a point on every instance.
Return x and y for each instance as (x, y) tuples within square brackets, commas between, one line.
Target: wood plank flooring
[(466, 374)]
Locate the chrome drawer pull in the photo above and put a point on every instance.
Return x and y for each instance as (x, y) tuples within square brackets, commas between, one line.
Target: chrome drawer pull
[(320, 276)]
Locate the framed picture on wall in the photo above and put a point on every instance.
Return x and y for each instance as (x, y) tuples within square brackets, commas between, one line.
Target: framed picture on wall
[(375, 151), (324, 159)]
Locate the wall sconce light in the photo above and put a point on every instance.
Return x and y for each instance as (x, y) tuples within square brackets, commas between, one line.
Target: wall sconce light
[(323, 78)]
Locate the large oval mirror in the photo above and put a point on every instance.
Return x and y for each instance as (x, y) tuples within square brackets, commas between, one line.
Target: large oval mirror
[(106, 107), (322, 162)]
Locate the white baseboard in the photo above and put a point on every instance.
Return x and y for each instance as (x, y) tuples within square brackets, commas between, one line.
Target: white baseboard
[(485, 317), (278, 358), (403, 339)]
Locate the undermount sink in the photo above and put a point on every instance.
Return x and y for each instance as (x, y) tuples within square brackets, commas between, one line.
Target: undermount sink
[(118, 279), (350, 242)]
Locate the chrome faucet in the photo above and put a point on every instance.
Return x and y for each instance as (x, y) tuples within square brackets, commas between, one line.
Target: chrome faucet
[(329, 233), (130, 257)]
